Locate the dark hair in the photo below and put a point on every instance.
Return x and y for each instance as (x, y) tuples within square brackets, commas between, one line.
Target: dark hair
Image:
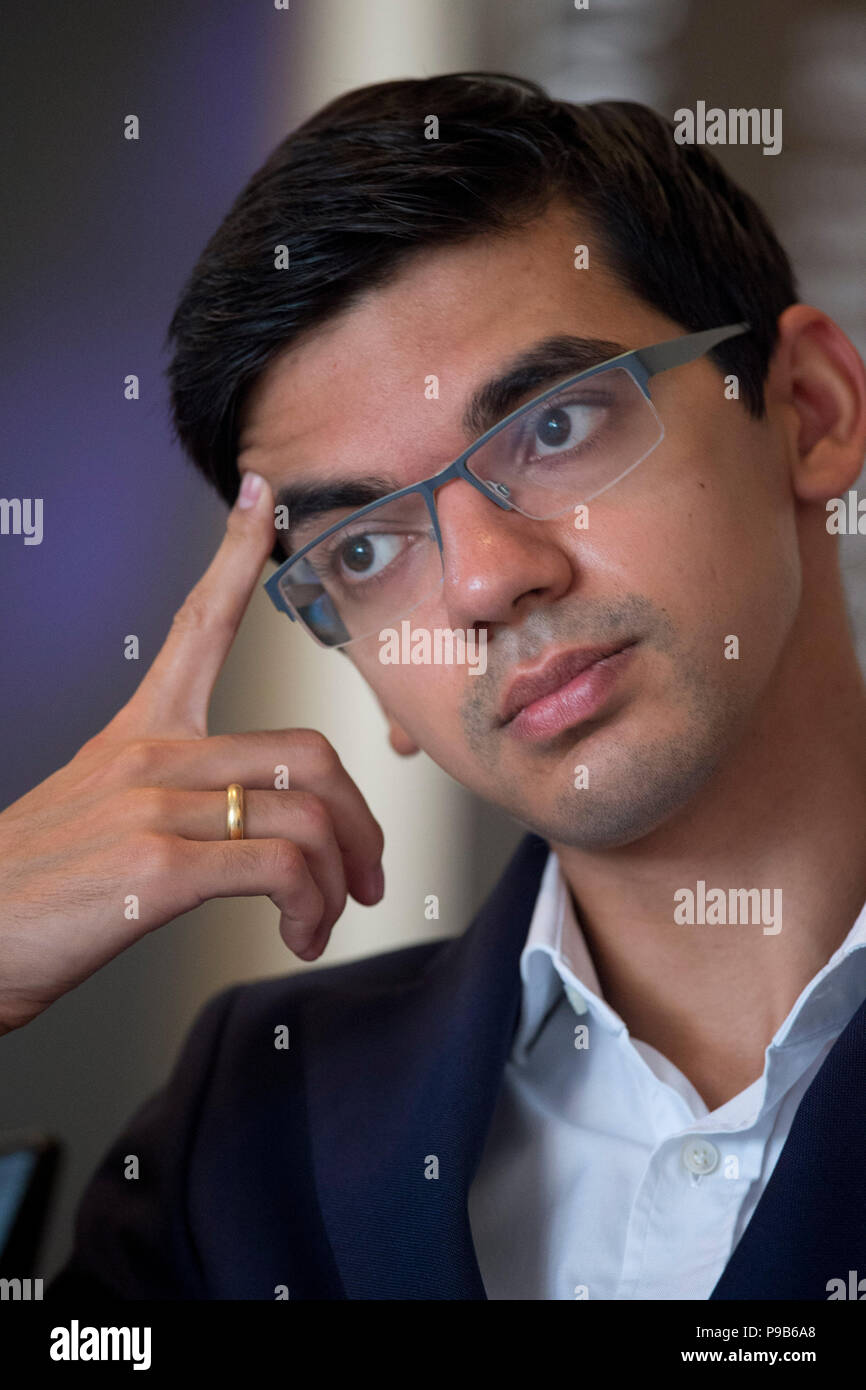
[(357, 189)]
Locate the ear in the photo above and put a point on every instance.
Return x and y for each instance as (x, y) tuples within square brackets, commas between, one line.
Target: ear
[(399, 739), (817, 373), (397, 736)]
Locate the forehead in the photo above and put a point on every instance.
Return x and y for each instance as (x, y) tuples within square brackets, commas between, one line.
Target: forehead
[(456, 313)]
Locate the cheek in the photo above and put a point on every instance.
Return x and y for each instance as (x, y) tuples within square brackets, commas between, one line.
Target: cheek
[(723, 561), (424, 700)]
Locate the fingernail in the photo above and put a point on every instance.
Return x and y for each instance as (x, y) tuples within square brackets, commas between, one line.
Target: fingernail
[(251, 486)]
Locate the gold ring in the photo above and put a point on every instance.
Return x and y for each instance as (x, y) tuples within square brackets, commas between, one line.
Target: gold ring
[(235, 812)]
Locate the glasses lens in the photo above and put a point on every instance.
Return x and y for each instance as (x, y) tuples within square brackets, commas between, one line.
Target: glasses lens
[(366, 574), (570, 447)]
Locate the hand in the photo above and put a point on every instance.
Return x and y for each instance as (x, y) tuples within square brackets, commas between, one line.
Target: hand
[(141, 810)]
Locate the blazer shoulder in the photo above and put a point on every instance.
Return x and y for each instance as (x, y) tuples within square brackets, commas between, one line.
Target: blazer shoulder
[(355, 981), (137, 1244)]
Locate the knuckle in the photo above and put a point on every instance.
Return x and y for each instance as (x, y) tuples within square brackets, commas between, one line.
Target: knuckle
[(315, 814), (321, 756), (200, 614), (287, 858), (193, 613), (140, 759)]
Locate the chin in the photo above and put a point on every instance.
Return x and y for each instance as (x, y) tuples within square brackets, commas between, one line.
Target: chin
[(626, 800)]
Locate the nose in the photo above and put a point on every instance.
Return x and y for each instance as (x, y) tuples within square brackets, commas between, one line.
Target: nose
[(498, 564)]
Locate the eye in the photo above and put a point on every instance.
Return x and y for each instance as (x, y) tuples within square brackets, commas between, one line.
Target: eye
[(366, 554), (565, 426)]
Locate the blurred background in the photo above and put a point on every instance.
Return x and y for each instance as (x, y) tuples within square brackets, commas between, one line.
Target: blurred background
[(99, 234)]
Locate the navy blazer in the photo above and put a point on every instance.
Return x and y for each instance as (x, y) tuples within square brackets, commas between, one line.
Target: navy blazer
[(305, 1167)]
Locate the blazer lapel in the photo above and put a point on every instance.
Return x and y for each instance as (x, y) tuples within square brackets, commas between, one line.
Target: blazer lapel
[(399, 1111), (810, 1224), (400, 1108)]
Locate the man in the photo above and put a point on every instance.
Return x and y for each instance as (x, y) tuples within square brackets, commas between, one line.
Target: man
[(638, 1073)]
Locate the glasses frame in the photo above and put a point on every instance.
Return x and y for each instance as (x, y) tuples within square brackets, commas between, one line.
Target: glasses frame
[(641, 364)]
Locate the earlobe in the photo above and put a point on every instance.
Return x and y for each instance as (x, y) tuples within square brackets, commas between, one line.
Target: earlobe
[(820, 374), (400, 740), (397, 736)]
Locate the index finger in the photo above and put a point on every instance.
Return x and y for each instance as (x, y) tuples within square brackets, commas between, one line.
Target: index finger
[(175, 692)]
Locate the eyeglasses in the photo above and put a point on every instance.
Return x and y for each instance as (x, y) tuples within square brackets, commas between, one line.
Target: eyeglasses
[(557, 452)]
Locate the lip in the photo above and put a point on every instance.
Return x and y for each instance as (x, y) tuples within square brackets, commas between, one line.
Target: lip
[(568, 688)]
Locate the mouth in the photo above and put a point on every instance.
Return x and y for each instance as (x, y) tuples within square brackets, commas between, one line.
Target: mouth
[(568, 688)]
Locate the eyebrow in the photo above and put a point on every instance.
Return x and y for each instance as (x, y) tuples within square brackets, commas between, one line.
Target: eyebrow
[(535, 368)]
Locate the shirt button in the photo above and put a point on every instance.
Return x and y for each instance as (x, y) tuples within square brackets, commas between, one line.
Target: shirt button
[(700, 1156)]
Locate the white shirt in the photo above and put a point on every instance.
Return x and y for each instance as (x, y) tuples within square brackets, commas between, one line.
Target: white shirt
[(604, 1175)]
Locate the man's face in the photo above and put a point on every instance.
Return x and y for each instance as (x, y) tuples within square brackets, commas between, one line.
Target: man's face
[(697, 545)]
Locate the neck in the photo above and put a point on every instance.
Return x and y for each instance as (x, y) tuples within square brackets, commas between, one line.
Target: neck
[(787, 812)]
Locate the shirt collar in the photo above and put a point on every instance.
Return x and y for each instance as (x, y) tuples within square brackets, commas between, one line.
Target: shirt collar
[(832, 995), (555, 960)]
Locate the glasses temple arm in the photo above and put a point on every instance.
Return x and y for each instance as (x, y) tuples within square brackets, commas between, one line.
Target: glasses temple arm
[(677, 351)]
